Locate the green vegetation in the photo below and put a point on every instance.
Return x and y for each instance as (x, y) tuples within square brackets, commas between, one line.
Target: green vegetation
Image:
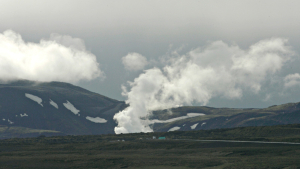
[(18, 132), (139, 150)]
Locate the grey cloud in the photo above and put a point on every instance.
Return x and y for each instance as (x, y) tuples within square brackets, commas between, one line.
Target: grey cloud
[(292, 80), (68, 41), (111, 29)]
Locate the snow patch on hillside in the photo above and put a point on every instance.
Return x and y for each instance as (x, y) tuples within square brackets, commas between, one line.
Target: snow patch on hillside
[(176, 118), (174, 128), (53, 104), (203, 123), (70, 107), (10, 122), (3, 119), (195, 114), (24, 115), (194, 126), (34, 98), (96, 119)]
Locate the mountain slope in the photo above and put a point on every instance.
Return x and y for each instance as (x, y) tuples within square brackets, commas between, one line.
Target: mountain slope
[(57, 106), (30, 109), (212, 118)]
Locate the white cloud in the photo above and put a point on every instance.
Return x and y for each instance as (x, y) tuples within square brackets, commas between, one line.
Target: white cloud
[(61, 59), (263, 58), (292, 80), (217, 70), (134, 61)]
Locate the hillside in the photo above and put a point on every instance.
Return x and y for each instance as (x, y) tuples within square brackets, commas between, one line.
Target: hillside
[(211, 118), (30, 109), (56, 107)]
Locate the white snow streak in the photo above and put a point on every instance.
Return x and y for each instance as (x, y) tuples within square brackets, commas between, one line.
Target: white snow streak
[(53, 104), (195, 114), (24, 115), (96, 119), (194, 126), (176, 118), (70, 107), (34, 98), (10, 122), (174, 128)]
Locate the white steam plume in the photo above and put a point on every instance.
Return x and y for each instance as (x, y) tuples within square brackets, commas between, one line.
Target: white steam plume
[(217, 70), (62, 58)]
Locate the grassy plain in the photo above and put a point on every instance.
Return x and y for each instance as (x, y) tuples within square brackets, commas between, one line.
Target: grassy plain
[(141, 151)]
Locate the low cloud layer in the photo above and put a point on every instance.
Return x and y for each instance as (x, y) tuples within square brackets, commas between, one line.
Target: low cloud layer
[(216, 70), (292, 80), (134, 61), (62, 58)]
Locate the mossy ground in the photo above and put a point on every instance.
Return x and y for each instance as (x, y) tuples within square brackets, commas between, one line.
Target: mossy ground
[(140, 151)]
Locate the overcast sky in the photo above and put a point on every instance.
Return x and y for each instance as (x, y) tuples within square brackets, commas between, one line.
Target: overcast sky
[(117, 40)]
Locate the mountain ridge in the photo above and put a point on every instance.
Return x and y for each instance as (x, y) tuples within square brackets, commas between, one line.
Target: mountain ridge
[(66, 109)]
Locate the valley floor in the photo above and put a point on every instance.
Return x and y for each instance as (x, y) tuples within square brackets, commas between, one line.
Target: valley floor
[(96, 152)]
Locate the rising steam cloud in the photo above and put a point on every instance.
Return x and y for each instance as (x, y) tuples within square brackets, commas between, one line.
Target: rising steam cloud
[(62, 58), (217, 70)]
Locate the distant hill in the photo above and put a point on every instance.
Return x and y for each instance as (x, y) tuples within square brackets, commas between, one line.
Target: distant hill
[(212, 118), (30, 109), (54, 108)]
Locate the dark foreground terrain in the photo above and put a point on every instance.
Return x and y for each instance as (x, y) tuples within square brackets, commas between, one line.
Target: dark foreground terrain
[(141, 151)]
